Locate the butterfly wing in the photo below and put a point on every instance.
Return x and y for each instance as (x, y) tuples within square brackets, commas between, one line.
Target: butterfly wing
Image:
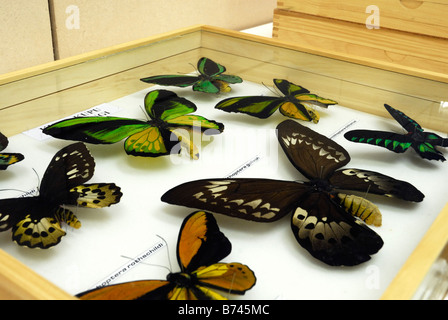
[(375, 183), (407, 123), (172, 80), (200, 242), (329, 234), (233, 278), (258, 106), (395, 142), (313, 154), (7, 159), (71, 166), (262, 200), (95, 130), (212, 80), (134, 290)]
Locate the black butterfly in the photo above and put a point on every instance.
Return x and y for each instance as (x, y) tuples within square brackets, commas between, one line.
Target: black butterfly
[(36, 221), (319, 222), (424, 143), (6, 159)]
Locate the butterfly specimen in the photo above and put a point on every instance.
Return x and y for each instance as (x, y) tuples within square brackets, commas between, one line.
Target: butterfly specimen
[(296, 103), (171, 125), (200, 247), (6, 159), (210, 79), (424, 143), (323, 219), (36, 221)]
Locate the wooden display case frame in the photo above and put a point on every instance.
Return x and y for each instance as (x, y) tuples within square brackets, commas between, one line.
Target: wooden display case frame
[(54, 90)]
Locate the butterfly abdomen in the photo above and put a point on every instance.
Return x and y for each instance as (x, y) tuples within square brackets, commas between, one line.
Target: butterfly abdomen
[(361, 208)]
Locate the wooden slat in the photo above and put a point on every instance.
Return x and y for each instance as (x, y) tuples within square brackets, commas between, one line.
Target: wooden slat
[(411, 275), (422, 17), (417, 53), (17, 281)]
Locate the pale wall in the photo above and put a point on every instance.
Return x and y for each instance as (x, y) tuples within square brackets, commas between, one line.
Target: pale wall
[(81, 26)]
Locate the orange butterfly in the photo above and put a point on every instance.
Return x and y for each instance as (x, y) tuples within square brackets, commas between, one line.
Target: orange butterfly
[(201, 245)]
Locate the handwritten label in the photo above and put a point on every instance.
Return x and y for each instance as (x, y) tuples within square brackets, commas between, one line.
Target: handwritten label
[(102, 110)]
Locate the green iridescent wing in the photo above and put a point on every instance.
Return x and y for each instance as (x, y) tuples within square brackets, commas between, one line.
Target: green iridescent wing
[(210, 79), (152, 138), (424, 143), (297, 103)]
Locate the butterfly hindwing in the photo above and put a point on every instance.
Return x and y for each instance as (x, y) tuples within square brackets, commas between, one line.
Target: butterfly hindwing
[(313, 154), (262, 200), (331, 235), (7, 159)]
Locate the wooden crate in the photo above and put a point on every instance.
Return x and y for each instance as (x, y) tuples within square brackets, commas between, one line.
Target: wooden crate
[(51, 91), (412, 34)]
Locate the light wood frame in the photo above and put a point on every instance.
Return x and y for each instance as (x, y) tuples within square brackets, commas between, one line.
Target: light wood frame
[(51, 91)]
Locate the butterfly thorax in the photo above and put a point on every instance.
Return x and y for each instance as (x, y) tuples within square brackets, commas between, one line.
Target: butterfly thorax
[(418, 136), (181, 279), (320, 185)]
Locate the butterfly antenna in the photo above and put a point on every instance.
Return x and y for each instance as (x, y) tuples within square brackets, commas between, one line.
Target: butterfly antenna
[(38, 180), (271, 90), (148, 264), (168, 252)]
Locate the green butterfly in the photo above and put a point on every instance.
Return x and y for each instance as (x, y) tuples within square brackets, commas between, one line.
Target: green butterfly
[(296, 103), (210, 79), (170, 124)]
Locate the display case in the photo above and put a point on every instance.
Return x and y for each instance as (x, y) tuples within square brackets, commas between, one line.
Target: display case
[(36, 96)]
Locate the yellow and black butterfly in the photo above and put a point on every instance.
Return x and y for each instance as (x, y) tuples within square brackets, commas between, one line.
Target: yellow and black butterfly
[(170, 125), (296, 102), (211, 78), (36, 220), (6, 159), (323, 219), (200, 247)]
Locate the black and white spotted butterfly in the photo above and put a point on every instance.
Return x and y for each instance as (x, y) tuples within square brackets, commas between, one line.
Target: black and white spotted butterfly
[(321, 222), (36, 221)]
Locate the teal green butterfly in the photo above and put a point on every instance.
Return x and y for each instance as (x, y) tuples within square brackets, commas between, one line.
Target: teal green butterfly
[(210, 79), (296, 102), (170, 127), (7, 159)]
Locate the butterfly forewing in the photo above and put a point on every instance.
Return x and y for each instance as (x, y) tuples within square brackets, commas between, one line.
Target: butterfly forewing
[(313, 154), (166, 105), (135, 290), (331, 235), (407, 123), (262, 200), (376, 183), (70, 167)]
